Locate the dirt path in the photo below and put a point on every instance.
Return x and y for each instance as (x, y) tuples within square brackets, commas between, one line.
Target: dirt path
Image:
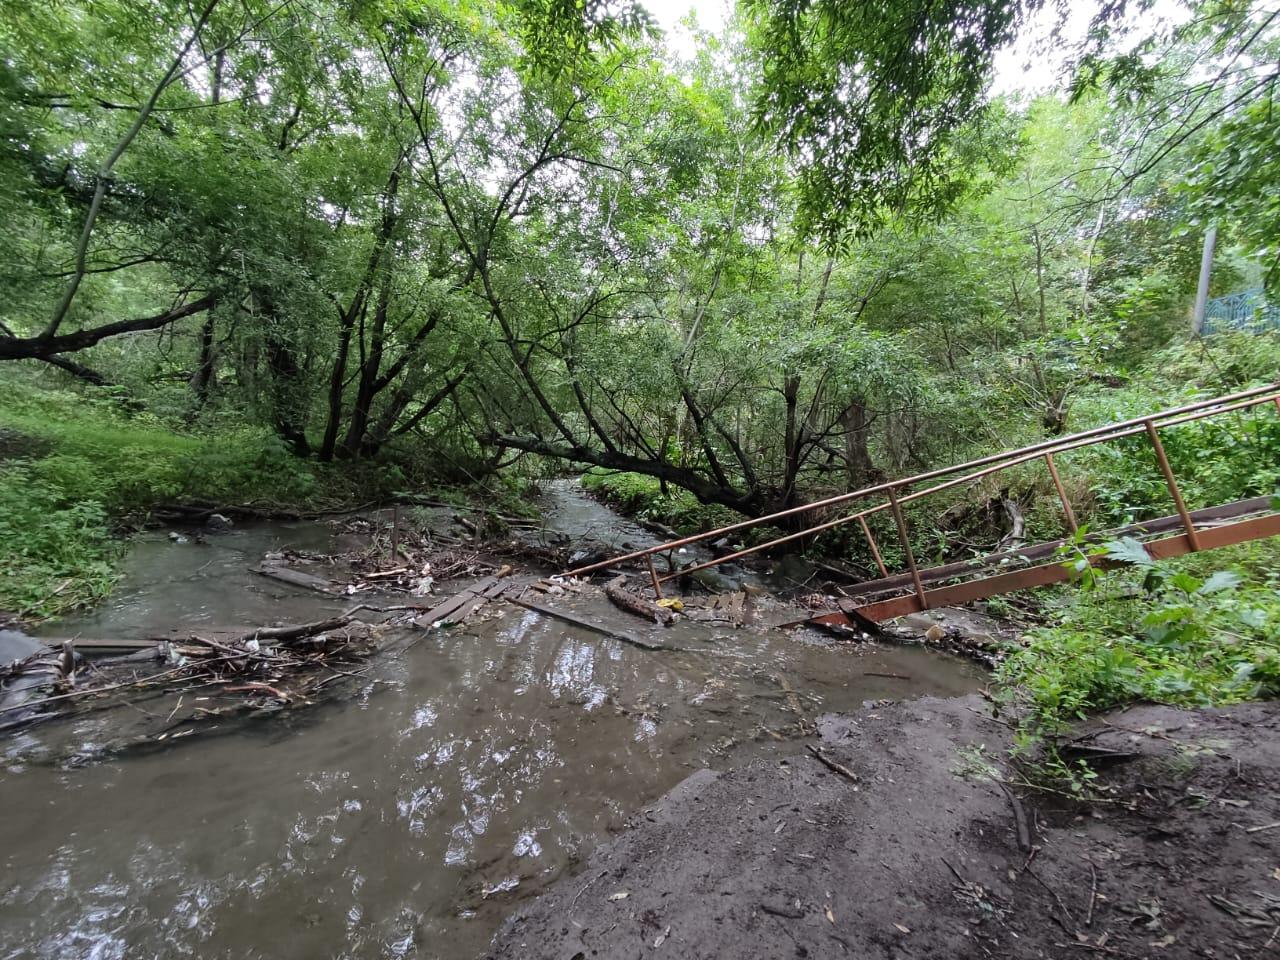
[(924, 857)]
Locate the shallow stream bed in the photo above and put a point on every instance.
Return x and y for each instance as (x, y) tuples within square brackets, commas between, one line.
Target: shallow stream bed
[(406, 816)]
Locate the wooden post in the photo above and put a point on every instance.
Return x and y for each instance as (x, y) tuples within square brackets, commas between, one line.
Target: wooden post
[(395, 532), (1062, 493), (906, 548), (653, 575), (1173, 485), (875, 549)]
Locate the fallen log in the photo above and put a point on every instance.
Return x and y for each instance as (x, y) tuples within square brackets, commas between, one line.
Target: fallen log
[(1016, 536), (200, 511), (299, 631), (624, 599), (661, 529)]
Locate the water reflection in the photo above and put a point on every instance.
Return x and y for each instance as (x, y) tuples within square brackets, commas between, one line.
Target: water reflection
[(406, 818)]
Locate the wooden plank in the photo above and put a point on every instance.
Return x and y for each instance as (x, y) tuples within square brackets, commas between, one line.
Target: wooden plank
[(466, 613), (102, 645), (448, 608), (733, 607), (568, 617), (508, 584), (296, 578)]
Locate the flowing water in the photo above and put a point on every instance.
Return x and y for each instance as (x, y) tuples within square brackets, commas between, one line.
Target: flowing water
[(407, 815)]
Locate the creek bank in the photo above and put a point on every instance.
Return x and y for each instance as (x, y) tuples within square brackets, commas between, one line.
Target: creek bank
[(925, 855)]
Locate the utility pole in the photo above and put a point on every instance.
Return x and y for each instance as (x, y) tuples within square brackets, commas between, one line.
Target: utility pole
[(1202, 289)]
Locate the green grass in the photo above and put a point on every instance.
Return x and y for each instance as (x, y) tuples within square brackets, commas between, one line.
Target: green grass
[(76, 470)]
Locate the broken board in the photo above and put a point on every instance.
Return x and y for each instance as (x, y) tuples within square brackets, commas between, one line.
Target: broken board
[(465, 603)]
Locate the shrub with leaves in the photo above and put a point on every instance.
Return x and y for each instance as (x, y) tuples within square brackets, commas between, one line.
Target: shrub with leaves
[(1169, 631)]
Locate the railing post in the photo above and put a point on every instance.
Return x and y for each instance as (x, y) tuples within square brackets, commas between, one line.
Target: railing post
[(653, 575), (906, 548), (1163, 460), (875, 549), (1062, 494)]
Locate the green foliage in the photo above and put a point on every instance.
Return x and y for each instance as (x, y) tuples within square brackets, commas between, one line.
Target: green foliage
[(1176, 632), (638, 495), (1216, 460), (883, 104), (77, 470), (54, 554), (428, 241)]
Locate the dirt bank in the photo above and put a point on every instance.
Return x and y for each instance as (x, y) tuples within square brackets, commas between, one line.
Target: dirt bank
[(924, 856)]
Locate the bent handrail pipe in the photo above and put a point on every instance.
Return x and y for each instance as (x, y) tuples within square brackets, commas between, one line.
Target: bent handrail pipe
[(1253, 396), (1021, 458)]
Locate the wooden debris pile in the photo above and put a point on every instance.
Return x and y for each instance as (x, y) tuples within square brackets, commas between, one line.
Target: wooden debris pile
[(419, 573), (465, 603), (278, 665)]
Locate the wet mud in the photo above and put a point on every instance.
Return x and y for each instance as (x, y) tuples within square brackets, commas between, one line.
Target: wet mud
[(914, 847)]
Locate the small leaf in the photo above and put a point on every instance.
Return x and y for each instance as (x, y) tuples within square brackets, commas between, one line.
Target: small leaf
[(1254, 618), (620, 895), (1222, 580), (1129, 550)]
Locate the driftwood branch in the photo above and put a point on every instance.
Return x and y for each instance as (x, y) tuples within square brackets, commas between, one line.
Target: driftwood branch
[(624, 599)]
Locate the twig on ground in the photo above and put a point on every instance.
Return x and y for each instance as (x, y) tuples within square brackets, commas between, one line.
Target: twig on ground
[(831, 764), (1019, 817), (1093, 894)]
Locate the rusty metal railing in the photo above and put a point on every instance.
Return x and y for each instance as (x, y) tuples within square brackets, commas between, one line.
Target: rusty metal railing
[(896, 495)]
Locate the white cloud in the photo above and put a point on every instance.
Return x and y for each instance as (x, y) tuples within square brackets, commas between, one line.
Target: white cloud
[(711, 15)]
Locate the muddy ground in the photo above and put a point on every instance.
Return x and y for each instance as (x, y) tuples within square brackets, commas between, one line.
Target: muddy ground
[(925, 856)]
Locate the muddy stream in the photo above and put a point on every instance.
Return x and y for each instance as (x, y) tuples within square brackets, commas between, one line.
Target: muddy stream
[(406, 815)]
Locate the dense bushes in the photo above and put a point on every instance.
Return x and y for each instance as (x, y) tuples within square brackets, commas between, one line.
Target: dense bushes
[(1197, 631)]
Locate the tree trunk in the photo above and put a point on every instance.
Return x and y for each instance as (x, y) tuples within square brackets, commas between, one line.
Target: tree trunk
[(793, 439), (359, 305), (203, 380), (856, 436), (1044, 319), (287, 385), (346, 324), (369, 370)]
